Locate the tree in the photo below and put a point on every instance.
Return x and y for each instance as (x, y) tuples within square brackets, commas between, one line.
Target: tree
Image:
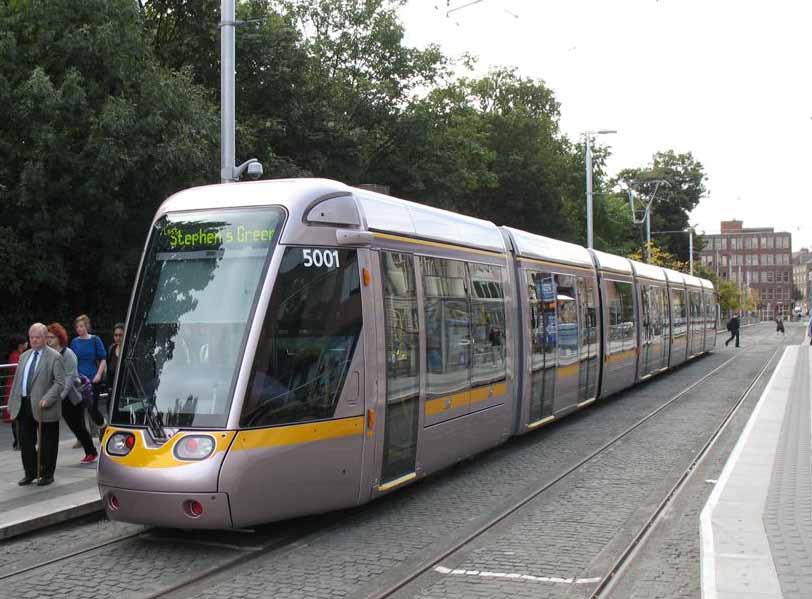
[(94, 134), (661, 257), (674, 202)]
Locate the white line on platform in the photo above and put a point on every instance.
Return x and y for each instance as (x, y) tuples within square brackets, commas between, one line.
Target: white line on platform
[(516, 576)]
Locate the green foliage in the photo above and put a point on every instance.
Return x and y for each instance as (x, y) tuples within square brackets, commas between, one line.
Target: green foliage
[(109, 106), (93, 135), (674, 202), (661, 257)]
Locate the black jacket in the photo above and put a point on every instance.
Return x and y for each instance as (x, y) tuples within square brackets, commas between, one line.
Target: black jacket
[(733, 324)]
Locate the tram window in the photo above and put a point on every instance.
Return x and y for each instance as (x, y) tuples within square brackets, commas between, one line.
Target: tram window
[(678, 312), (400, 317), (567, 320), (448, 325), (310, 332), (402, 364), (201, 276), (620, 302), (487, 323)]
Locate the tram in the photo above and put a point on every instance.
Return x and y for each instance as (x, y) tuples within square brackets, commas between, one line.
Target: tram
[(300, 346)]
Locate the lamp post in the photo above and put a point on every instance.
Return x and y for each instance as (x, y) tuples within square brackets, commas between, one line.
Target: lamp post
[(588, 155)]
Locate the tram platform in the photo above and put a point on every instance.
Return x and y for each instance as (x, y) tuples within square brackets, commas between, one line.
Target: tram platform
[(73, 493), (756, 527)]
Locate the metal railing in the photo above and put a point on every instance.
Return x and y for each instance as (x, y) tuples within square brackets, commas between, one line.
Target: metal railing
[(6, 374)]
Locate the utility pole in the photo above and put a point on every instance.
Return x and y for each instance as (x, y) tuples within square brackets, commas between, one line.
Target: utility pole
[(230, 173), (588, 190), (647, 213), (227, 121)]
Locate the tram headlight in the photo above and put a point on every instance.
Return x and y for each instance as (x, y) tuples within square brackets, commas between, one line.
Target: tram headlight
[(120, 444), (194, 447)]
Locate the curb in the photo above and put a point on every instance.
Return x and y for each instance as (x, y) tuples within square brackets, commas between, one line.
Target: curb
[(83, 504)]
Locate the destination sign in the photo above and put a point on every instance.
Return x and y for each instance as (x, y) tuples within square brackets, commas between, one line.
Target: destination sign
[(209, 236)]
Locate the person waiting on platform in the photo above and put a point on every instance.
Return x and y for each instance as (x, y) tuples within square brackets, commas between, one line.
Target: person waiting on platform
[(733, 325), (73, 409), (36, 403), (92, 357), (114, 355), (17, 346)]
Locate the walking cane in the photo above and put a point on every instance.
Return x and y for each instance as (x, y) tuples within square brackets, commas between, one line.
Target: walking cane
[(39, 442)]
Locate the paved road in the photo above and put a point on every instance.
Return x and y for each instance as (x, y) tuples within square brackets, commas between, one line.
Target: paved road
[(570, 532)]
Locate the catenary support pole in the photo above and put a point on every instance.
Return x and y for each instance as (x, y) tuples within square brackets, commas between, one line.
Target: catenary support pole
[(588, 190), (227, 119)]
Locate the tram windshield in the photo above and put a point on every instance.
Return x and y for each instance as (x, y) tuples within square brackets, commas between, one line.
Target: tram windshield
[(200, 280)]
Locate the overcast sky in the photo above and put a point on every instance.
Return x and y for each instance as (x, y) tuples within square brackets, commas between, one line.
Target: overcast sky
[(728, 81)]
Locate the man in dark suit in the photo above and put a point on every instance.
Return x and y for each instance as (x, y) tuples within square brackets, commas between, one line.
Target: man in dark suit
[(733, 325), (36, 398)]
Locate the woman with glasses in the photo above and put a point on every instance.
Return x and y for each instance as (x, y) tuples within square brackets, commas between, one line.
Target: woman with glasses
[(72, 409)]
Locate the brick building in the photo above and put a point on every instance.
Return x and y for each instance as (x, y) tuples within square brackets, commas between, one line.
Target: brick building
[(758, 260), (802, 277)]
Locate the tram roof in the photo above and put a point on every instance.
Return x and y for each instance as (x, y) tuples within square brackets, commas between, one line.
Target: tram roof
[(382, 212), (693, 281), (529, 245), (392, 215), (612, 262), (650, 271)]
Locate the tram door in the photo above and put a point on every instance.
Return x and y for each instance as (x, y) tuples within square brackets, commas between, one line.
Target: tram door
[(542, 344), (588, 316), (402, 366)]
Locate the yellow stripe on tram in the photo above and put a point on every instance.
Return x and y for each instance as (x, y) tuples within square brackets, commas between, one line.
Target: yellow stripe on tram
[(458, 400), (297, 434)]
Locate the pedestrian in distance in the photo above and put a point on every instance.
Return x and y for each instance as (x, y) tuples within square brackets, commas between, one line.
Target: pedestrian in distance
[(733, 325), (17, 345), (779, 326), (36, 403), (73, 410), (92, 363)]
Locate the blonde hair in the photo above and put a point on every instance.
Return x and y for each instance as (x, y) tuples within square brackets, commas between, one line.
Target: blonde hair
[(82, 318)]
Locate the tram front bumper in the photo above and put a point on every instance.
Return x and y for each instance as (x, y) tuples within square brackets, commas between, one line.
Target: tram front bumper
[(172, 510)]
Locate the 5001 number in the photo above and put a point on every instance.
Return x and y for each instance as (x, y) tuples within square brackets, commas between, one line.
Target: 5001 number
[(319, 258)]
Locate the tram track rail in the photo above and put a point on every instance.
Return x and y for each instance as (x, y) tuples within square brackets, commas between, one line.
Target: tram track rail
[(459, 544), (609, 580), (71, 554)]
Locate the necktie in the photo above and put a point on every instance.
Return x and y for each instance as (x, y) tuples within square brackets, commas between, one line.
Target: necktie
[(30, 378)]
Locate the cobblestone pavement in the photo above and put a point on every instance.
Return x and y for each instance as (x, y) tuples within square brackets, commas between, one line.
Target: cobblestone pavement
[(668, 564), (560, 534)]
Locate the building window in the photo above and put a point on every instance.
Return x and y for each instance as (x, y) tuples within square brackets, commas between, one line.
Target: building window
[(724, 260), (770, 243), (768, 259)]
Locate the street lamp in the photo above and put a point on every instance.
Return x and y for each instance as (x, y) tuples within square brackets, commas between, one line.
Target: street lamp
[(588, 153)]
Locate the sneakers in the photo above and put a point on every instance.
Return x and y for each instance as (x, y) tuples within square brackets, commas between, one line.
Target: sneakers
[(89, 459)]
